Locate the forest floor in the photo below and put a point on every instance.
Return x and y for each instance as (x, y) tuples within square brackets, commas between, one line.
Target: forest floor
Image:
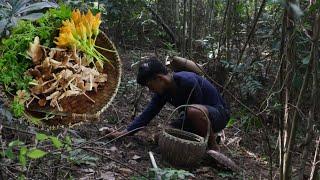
[(244, 148), (131, 153)]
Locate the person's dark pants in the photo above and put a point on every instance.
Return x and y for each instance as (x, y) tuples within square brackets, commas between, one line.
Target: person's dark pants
[(218, 116)]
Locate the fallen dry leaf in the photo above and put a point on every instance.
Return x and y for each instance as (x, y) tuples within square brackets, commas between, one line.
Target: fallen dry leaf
[(125, 171), (107, 175)]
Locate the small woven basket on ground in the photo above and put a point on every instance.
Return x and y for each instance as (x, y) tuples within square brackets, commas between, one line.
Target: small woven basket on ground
[(77, 109), (181, 148)]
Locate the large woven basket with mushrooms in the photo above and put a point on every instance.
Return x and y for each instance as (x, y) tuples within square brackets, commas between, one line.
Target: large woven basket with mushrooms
[(76, 80)]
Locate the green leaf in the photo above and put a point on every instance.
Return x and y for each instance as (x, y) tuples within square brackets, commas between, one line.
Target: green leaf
[(306, 60), (296, 10), (18, 4), (32, 17), (181, 176), (68, 140), (17, 108), (271, 2), (22, 160), (231, 122), (3, 24), (37, 6), (36, 153), (9, 154), (41, 137), (56, 142), (23, 150), (21, 177), (15, 143), (314, 7), (169, 174)]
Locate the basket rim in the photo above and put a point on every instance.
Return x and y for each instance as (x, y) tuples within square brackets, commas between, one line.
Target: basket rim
[(88, 117), (206, 138), (200, 142)]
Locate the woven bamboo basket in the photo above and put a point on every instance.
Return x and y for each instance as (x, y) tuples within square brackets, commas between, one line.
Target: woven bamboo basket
[(77, 109), (181, 148)]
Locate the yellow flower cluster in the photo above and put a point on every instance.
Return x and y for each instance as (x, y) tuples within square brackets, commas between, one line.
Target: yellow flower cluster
[(80, 33), (80, 30)]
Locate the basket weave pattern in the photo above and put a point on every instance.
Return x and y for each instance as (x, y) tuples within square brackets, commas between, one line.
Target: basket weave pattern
[(80, 108), (181, 152), (181, 148)]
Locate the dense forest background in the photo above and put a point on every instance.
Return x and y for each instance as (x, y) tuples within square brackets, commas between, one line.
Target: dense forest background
[(263, 55)]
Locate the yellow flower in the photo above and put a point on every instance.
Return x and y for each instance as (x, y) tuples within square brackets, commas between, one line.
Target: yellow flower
[(88, 22), (87, 25), (76, 16), (66, 39), (95, 24), (81, 31), (69, 26), (78, 32)]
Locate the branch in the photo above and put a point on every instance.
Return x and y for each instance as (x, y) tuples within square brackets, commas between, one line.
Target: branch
[(163, 24), (18, 130), (247, 41), (119, 162)]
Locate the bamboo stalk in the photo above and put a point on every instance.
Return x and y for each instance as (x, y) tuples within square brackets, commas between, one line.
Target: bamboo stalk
[(154, 164), (314, 163)]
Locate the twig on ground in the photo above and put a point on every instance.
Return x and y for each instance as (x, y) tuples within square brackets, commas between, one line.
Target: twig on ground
[(19, 130), (114, 160)]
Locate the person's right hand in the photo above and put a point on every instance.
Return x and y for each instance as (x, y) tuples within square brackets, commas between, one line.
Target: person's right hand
[(116, 134)]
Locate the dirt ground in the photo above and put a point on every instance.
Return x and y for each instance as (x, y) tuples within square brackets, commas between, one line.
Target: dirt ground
[(128, 158), (243, 148)]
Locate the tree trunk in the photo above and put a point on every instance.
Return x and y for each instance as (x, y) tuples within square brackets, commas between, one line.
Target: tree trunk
[(282, 95), (290, 130), (211, 18), (229, 29), (176, 16), (221, 37), (190, 27), (184, 29), (310, 121)]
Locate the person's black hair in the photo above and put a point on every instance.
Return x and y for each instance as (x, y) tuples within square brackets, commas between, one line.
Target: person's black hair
[(149, 69)]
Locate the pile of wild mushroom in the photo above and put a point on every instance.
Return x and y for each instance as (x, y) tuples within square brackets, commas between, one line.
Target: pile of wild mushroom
[(59, 73)]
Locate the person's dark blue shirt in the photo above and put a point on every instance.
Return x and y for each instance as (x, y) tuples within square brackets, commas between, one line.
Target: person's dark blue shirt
[(191, 89)]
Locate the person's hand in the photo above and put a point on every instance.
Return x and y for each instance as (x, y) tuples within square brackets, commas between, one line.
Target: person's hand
[(113, 133), (116, 134)]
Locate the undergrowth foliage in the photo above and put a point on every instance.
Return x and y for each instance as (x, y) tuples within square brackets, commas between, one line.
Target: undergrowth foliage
[(13, 56)]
